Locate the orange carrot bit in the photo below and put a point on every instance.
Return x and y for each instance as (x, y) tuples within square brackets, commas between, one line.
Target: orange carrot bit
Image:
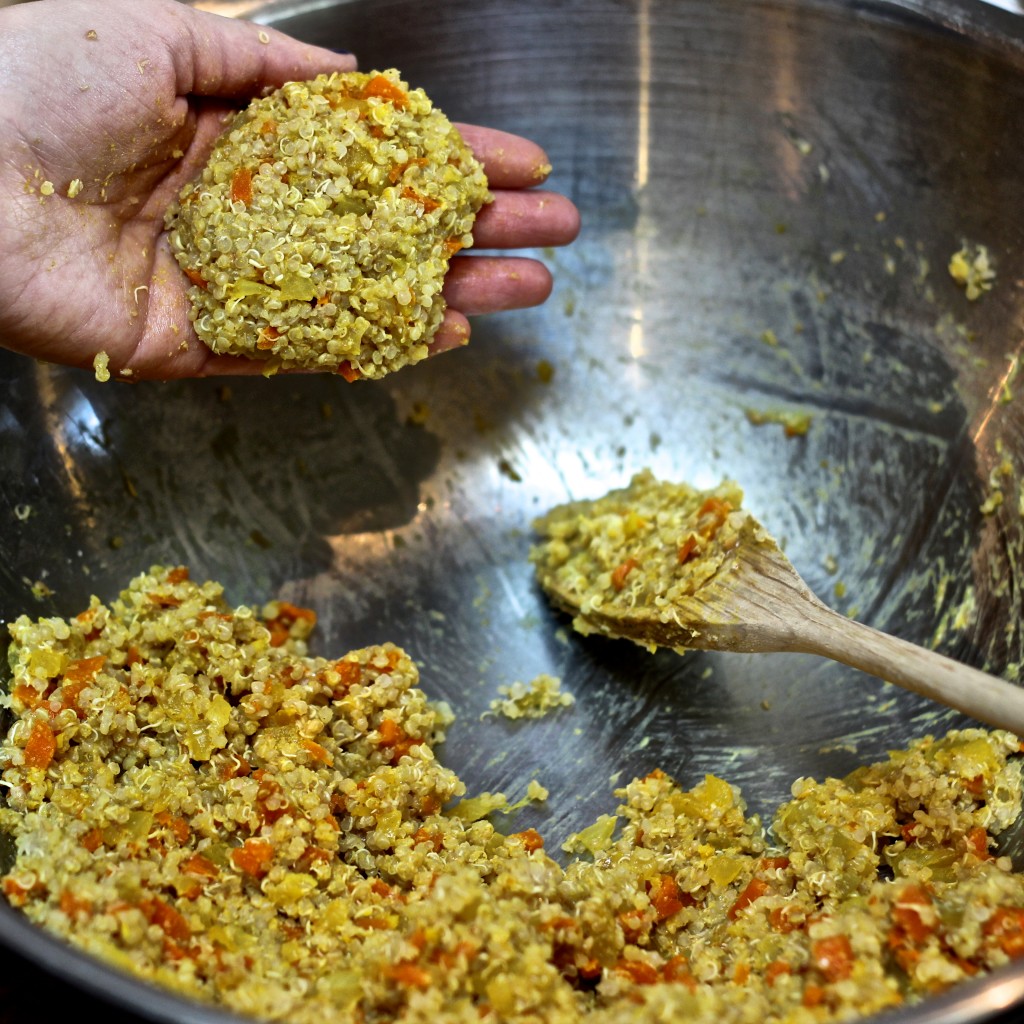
[(620, 573), (17, 892), (41, 745), (677, 970), (178, 574), (688, 549), (165, 917), (833, 957), (268, 127), (814, 995), (779, 919), (430, 837), (178, 827), (266, 338), (1006, 926), (241, 186), (393, 736), (754, 891), (196, 278), (288, 614), (93, 839), (74, 906), (27, 696), (350, 672), (317, 752), (384, 89), (773, 863), (409, 974), (640, 972), (712, 515), (197, 864), (451, 246), (666, 897), (348, 371), (398, 170), (428, 204), (253, 857), (775, 970), (531, 839), (977, 843), (741, 973)]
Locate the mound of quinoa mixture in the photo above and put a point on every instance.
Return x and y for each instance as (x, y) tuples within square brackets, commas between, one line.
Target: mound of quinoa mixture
[(319, 233), (198, 801), (649, 545)]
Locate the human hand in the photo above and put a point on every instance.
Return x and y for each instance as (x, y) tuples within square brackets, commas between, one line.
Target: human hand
[(127, 98)]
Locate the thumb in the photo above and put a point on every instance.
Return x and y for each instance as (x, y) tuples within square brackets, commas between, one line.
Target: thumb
[(228, 57)]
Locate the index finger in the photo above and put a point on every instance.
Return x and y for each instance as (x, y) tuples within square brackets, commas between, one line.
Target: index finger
[(509, 160)]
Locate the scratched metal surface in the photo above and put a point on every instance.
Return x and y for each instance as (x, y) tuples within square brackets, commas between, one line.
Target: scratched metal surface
[(770, 193)]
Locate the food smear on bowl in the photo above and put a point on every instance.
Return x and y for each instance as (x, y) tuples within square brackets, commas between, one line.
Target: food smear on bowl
[(198, 801), (319, 233)]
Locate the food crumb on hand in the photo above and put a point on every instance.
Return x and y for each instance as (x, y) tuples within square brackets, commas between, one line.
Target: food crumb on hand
[(74, 187), (100, 365)]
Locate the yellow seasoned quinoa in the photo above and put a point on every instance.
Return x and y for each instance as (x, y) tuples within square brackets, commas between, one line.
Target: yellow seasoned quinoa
[(651, 544), (319, 233), (196, 800)]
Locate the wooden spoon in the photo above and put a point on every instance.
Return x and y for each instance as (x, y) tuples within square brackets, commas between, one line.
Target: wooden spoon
[(751, 599)]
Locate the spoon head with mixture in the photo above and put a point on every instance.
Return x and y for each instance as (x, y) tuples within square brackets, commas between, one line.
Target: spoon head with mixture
[(665, 565), (668, 565)]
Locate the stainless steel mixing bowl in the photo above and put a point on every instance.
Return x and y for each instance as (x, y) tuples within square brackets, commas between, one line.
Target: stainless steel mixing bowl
[(771, 191)]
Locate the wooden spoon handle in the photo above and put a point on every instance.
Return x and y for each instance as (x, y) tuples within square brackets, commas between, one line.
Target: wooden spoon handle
[(985, 697)]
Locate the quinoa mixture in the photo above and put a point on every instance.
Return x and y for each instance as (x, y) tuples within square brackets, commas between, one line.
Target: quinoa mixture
[(319, 233), (650, 545), (197, 800)]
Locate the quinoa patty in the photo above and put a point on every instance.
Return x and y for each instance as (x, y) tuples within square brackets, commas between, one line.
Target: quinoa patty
[(319, 233)]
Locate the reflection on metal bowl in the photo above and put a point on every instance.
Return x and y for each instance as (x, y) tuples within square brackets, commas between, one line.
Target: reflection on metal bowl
[(771, 193)]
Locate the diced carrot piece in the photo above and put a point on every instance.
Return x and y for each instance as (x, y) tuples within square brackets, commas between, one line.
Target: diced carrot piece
[(348, 371), (41, 745), (178, 827), (666, 897), (317, 752), (638, 971), (165, 917), (814, 995), (977, 842), (253, 857), (93, 839), (409, 974), (384, 89), (755, 890), (197, 864), (267, 336), (622, 571), (1006, 925), (241, 186), (428, 204), (775, 970), (677, 970), (687, 549), (196, 278), (833, 957), (73, 905), (531, 839)]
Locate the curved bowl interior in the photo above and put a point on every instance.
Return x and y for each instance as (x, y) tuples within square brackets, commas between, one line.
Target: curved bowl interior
[(770, 193)]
